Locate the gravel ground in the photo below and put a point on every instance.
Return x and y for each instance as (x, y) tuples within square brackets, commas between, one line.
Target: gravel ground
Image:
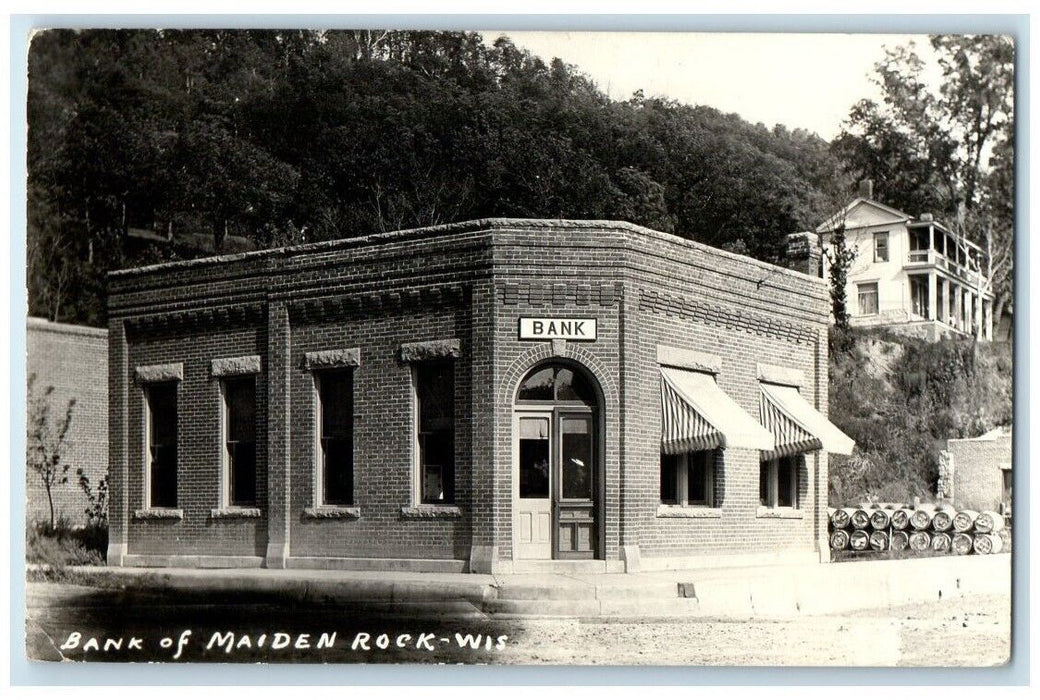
[(969, 631), (973, 631)]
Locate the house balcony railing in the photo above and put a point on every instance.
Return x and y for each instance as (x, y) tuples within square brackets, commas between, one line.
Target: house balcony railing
[(926, 258)]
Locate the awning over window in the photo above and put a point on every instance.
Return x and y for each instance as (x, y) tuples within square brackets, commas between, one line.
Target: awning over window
[(797, 426), (697, 415)]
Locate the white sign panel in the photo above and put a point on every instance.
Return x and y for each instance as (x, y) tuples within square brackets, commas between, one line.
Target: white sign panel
[(557, 329)]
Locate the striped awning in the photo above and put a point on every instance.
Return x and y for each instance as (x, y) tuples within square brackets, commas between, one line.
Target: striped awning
[(697, 415), (797, 427)]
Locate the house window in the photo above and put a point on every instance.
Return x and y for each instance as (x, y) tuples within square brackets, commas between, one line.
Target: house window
[(919, 295), (688, 479), (435, 430), (868, 298), (336, 437), (881, 246), (778, 482), (240, 440), (161, 424)]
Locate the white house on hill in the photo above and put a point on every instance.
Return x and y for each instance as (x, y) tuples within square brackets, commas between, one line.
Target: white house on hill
[(912, 275)]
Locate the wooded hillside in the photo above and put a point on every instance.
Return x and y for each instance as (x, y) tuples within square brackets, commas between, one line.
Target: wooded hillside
[(291, 136), (266, 138)]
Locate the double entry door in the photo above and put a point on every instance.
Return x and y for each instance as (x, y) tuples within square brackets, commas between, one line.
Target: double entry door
[(555, 475)]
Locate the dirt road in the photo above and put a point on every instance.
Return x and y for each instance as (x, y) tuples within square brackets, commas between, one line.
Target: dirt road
[(968, 632)]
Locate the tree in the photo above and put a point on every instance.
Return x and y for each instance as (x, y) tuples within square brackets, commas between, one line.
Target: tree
[(996, 221), (840, 257), (47, 442), (284, 136), (948, 151)]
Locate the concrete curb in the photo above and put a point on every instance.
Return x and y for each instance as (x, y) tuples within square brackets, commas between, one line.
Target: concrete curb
[(769, 592)]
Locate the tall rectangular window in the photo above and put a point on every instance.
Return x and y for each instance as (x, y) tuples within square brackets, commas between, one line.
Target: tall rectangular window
[(534, 457), (435, 403), (240, 440), (688, 479), (161, 401), (868, 298), (881, 246), (336, 404), (778, 482)]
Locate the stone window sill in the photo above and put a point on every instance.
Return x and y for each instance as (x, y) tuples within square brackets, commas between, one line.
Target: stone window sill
[(780, 513), (332, 513), (234, 512), (673, 511), (431, 512), (159, 514)]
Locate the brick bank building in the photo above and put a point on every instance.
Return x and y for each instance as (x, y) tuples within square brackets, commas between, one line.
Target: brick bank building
[(489, 396)]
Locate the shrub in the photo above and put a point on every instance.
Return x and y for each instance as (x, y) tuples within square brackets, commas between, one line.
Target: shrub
[(46, 442), (97, 498), (901, 407), (59, 546)]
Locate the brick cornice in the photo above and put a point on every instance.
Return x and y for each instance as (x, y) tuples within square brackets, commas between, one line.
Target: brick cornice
[(223, 316), (716, 315), (329, 307)]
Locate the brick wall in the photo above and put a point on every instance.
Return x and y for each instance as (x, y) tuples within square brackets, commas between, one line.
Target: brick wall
[(470, 282), (702, 300), (199, 444), (72, 359), (978, 474), (384, 459)]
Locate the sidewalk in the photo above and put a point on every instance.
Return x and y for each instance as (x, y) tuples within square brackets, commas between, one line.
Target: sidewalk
[(767, 591)]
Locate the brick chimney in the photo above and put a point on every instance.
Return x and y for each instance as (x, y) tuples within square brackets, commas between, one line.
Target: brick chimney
[(866, 189), (804, 253)]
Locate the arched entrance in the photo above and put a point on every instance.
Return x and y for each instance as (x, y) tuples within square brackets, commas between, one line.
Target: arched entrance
[(557, 464)]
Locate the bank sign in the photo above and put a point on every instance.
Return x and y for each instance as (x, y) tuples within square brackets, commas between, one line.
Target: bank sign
[(557, 329)]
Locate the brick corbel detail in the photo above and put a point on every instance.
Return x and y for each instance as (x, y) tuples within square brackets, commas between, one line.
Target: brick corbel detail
[(724, 317)]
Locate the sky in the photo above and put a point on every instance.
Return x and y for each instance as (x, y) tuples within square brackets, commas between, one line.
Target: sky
[(807, 81)]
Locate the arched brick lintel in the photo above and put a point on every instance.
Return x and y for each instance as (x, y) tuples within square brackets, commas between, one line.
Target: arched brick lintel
[(543, 352)]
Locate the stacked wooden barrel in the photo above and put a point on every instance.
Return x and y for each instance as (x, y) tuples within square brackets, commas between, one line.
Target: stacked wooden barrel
[(940, 529)]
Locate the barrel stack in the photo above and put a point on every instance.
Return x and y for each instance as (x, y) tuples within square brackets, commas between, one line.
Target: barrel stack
[(938, 529)]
